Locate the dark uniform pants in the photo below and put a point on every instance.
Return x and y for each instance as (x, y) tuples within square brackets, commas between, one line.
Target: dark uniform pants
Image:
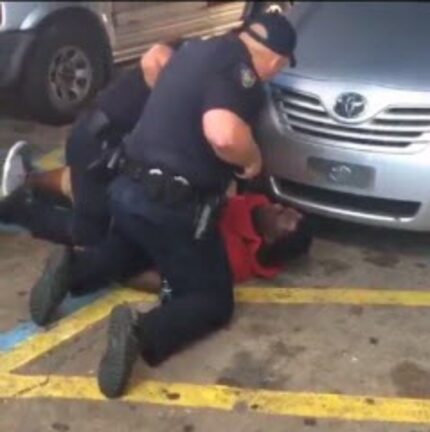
[(91, 206), (115, 259), (198, 273)]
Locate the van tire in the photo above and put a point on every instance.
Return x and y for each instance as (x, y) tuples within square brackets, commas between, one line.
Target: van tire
[(65, 69)]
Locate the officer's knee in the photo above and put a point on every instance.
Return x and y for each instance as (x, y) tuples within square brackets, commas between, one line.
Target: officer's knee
[(222, 309), (82, 147), (227, 313), (77, 145), (89, 231)]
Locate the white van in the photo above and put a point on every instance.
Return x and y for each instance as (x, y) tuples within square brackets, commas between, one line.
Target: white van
[(56, 55)]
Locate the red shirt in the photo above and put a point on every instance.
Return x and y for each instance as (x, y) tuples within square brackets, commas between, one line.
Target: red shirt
[(241, 239)]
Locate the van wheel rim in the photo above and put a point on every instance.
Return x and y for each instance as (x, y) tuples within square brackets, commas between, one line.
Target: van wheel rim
[(69, 77)]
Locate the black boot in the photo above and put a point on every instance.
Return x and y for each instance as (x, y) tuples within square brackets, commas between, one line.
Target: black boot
[(121, 353), (52, 287)]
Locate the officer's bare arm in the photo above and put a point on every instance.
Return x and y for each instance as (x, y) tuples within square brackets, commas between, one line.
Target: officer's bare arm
[(231, 139), (153, 62)]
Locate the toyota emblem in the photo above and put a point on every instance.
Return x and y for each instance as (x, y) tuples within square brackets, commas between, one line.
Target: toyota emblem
[(349, 105)]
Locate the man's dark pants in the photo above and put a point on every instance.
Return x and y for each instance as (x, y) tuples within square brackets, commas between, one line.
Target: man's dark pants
[(197, 271)]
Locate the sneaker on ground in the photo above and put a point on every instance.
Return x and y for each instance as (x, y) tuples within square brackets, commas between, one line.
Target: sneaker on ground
[(16, 167)]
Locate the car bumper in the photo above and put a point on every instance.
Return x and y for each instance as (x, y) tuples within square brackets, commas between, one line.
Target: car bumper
[(14, 47), (397, 194)]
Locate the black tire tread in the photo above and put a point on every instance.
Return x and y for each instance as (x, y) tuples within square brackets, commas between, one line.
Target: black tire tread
[(34, 88)]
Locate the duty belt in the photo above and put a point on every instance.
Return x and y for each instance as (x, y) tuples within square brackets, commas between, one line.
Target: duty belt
[(160, 185)]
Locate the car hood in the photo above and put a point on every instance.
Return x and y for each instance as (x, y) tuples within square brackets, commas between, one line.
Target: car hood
[(384, 44)]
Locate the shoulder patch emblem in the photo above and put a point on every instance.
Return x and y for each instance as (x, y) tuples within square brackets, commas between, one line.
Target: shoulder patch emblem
[(247, 76)]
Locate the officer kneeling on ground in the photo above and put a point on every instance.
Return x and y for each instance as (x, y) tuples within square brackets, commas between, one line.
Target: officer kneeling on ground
[(91, 144), (193, 136)]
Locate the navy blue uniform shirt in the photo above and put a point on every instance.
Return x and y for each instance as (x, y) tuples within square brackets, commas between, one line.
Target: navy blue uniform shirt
[(202, 75), (124, 98)]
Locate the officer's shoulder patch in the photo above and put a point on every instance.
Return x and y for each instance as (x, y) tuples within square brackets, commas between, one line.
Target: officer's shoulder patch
[(247, 76)]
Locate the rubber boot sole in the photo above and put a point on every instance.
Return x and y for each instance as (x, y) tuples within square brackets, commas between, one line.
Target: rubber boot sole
[(51, 288), (117, 363)]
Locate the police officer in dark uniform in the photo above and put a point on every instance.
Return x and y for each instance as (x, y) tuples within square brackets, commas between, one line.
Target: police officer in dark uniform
[(194, 134), (94, 142), (102, 125), (95, 137), (193, 137)]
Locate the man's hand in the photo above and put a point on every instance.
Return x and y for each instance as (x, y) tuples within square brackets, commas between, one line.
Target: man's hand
[(154, 61), (252, 170)]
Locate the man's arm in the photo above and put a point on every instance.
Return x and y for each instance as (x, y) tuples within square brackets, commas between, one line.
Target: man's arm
[(230, 106), (232, 141), (154, 61), (124, 98)]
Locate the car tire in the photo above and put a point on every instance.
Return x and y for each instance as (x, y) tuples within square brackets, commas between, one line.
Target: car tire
[(63, 72)]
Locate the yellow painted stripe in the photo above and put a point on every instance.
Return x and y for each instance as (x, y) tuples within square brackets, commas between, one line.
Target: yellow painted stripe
[(71, 326), (318, 405), (329, 296), (349, 296), (67, 328)]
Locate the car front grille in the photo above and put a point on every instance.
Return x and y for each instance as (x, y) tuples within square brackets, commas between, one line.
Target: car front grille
[(346, 201), (393, 127)]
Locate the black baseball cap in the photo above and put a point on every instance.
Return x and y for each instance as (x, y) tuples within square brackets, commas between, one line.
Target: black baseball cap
[(281, 35)]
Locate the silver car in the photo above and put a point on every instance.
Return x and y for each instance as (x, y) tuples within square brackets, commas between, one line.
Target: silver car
[(347, 133)]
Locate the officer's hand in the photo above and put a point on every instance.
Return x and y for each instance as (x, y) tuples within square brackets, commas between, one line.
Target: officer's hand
[(250, 171)]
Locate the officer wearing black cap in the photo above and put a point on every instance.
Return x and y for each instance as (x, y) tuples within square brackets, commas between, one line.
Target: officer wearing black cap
[(193, 137)]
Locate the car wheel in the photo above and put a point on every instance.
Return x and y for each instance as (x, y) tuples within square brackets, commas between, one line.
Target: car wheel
[(64, 71)]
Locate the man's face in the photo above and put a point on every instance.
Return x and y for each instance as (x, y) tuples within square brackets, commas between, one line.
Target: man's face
[(278, 222)]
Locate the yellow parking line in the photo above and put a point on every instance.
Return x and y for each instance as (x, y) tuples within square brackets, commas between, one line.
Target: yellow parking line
[(66, 329), (213, 396), (317, 405), (349, 296), (51, 160), (71, 326)]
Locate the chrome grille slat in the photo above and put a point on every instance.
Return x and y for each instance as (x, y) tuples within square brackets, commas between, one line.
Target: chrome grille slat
[(410, 123), (337, 138), (305, 105), (395, 126), (286, 106), (351, 135), (404, 117), (390, 129), (410, 110), (312, 100)]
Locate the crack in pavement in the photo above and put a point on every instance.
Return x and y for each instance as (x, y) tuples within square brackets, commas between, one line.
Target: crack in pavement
[(27, 390), (84, 344)]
